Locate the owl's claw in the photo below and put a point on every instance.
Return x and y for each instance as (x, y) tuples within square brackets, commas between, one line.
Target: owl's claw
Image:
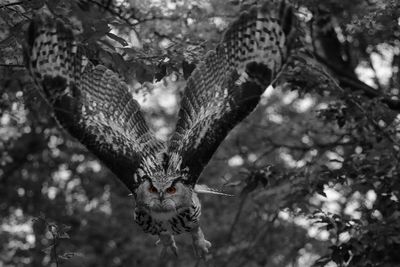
[(168, 241), (173, 248), (201, 248), (200, 244)]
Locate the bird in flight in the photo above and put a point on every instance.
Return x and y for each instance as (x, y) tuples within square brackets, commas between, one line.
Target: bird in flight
[(95, 106)]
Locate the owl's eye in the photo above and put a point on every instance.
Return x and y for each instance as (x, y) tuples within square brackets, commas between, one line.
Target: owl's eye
[(171, 190), (152, 189)]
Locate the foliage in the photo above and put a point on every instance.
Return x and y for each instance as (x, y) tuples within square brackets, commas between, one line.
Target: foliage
[(314, 170)]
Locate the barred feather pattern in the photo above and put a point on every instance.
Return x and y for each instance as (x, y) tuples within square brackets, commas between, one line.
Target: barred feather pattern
[(226, 86), (91, 102), (184, 221), (95, 106)]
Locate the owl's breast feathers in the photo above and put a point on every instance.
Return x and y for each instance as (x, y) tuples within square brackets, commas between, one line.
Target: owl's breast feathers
[(184, 220)]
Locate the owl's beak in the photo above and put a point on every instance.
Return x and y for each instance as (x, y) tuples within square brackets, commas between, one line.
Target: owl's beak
[(161, 194)]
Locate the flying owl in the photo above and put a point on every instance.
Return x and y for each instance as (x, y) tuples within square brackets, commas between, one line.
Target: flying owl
[(94, 105)]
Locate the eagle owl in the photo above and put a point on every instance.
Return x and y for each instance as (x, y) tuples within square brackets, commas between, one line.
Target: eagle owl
[(94, 105)]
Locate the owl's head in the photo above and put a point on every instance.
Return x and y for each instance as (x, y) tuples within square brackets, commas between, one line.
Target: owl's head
[(163, 194)]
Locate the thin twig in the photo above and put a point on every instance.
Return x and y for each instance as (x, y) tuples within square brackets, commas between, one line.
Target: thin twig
[(366, 113), (348, 80), (54, 237), (173, 18), (18, 12), (236, 220), (12, 4), (12, 65)]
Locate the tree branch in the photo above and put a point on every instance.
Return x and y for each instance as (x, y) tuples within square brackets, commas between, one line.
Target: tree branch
[(12, 66), (173, 18), (12, 4), (368, 91), (328, 53)]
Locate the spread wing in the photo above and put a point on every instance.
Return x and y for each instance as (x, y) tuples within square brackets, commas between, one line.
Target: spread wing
[(226, 86), (91, 102)]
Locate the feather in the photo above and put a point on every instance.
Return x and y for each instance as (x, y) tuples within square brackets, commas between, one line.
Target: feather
[(96, 107), (91, 102), (227, 85), (204, 189)]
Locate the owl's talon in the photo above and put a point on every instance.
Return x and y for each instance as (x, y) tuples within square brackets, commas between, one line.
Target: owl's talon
[(200, 244), (168, 241), (201, 248), (172, 247), (164, 251)]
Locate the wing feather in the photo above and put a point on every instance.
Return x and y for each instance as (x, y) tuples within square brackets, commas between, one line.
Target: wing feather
[(91, 102), (226, 86)]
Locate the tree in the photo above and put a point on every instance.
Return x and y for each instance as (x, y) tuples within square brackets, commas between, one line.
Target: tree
[(314, 169)]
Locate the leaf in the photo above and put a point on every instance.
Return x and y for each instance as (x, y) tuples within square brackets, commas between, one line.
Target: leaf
[(321, 262), (232, 184), (143, 72), (234, 2), (161, 72), (65, 228), (67, 255), (187, 69), (48, 250), (37, 4), (117, 39), (7, 41), (64, 236), (322, 193)]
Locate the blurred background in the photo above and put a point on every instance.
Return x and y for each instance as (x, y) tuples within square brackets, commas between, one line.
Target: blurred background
[(314, 169)]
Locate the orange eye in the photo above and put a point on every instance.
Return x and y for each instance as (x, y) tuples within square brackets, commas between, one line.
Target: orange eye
[(171, 190), (152, 189)]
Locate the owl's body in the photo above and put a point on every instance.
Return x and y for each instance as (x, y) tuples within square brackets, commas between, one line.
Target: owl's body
[(95, 106), (185, 219), (166, 207)]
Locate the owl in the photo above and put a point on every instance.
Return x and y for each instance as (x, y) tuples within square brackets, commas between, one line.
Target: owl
[(95, 106)]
